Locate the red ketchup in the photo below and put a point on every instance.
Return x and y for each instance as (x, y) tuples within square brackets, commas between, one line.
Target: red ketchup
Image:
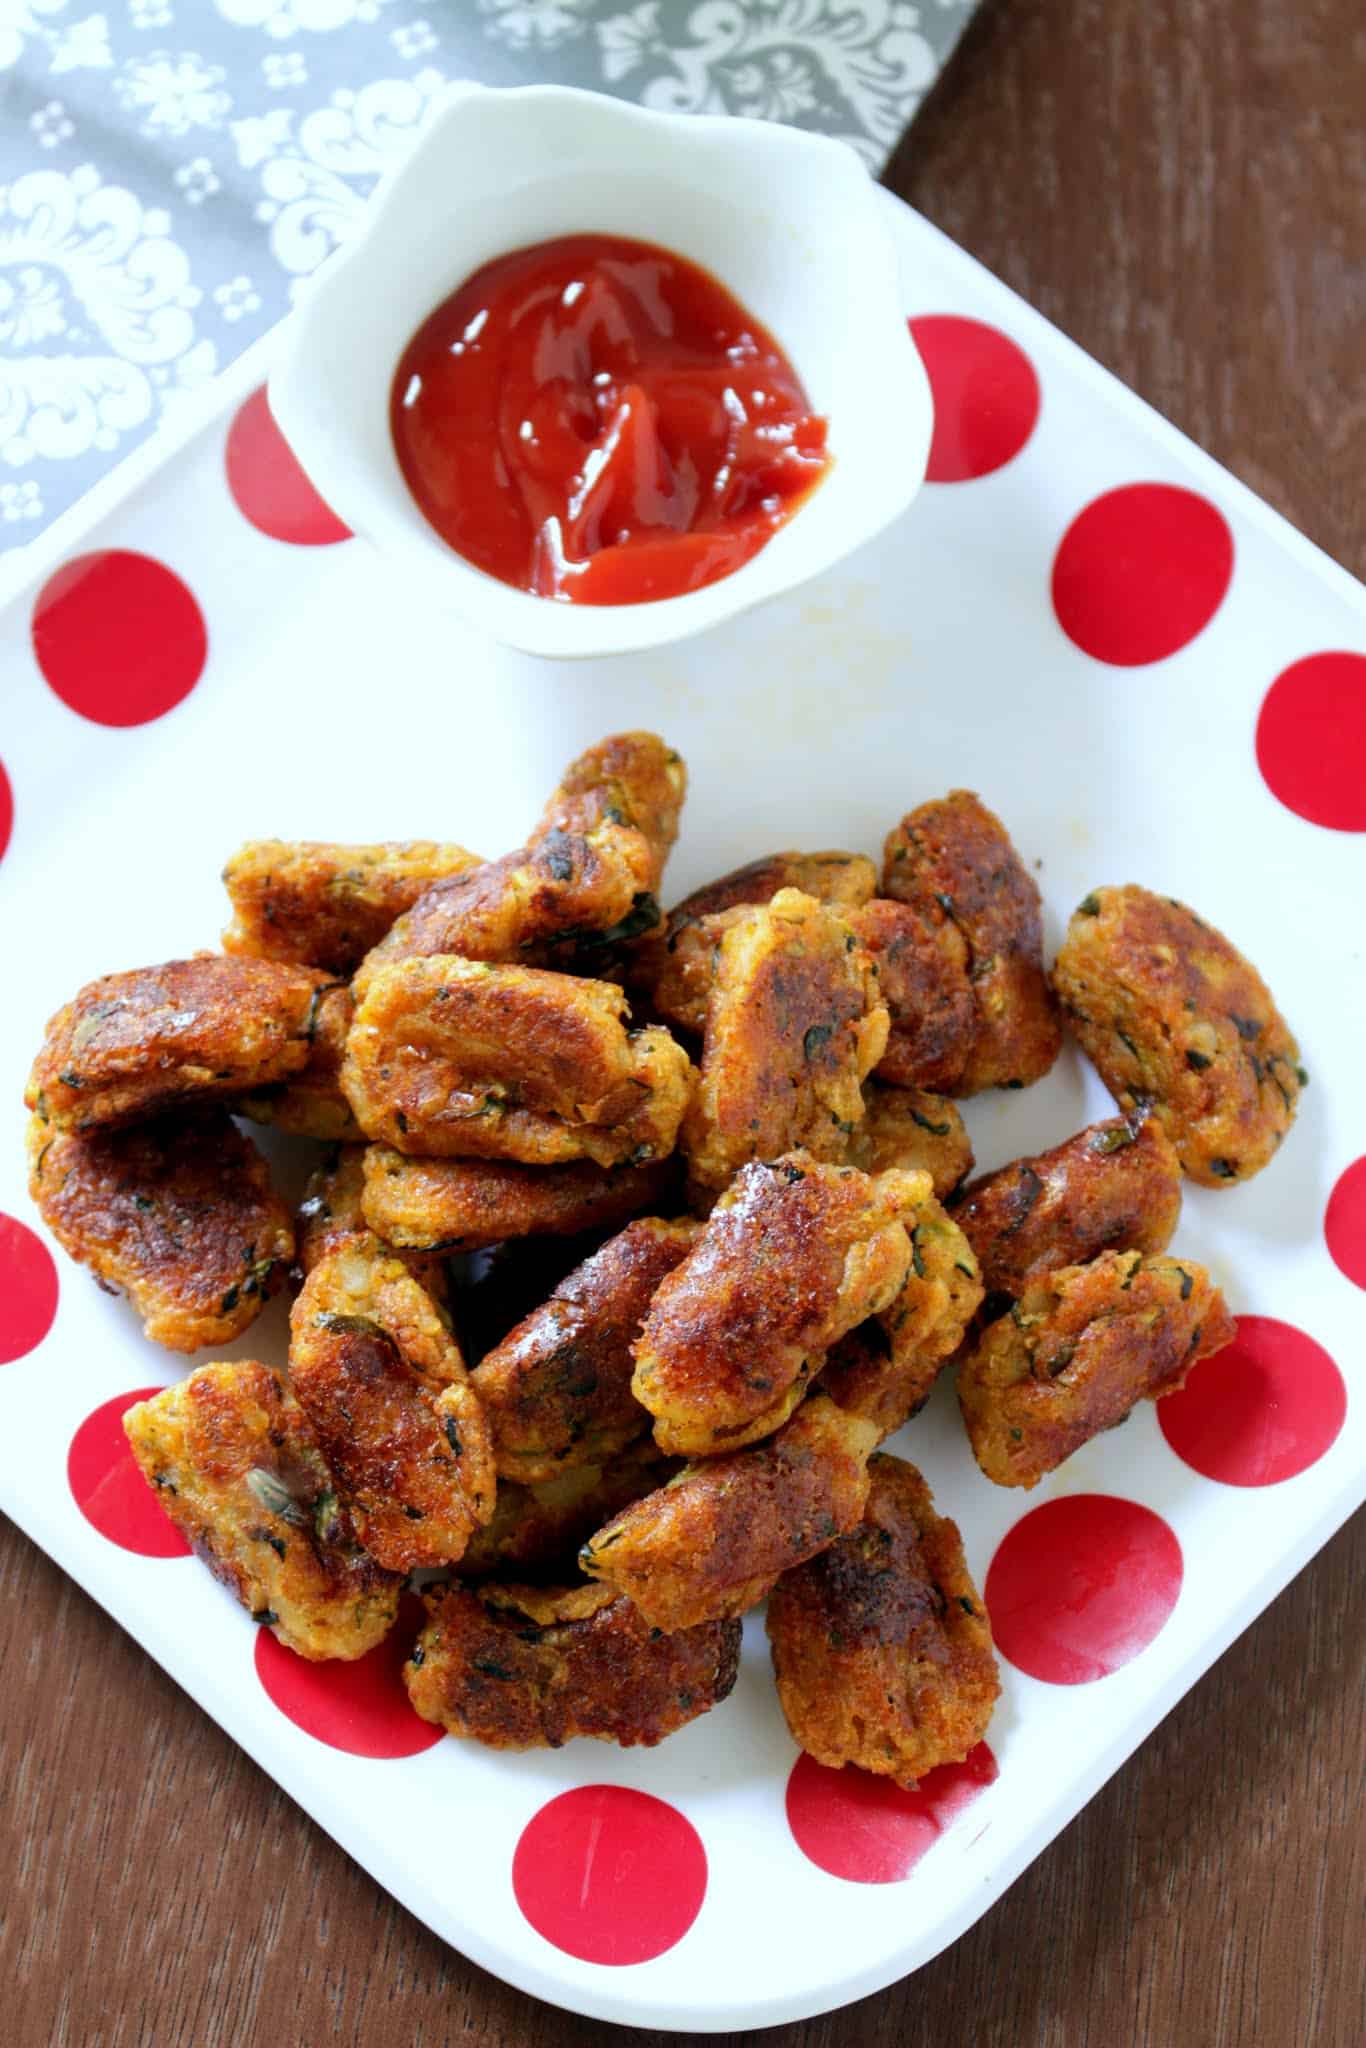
[(599, 420)]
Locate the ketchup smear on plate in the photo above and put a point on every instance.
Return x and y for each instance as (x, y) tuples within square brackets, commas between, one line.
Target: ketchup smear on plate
[(598, 420)]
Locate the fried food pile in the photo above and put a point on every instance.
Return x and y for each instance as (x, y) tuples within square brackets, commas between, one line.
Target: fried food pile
[(636, 1237)]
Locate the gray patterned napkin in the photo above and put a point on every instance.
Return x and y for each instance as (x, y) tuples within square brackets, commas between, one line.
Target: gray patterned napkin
[(172, 168)]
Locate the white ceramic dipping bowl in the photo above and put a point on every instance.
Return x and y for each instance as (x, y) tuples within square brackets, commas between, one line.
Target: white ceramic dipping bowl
[(790, 222)]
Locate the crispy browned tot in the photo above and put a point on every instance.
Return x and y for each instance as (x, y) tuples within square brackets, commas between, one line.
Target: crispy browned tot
[(523, 1667), (311, 1104), (321, 905), (330, 1217), (794, 1026), (463, 1205), (130, 1045), (588, 876), (884, 1371), (954, 862), (913, 1129), (1078, 1349), (557, 1390), (881, 1645), (794, 1254), (178, 1214), (675, 965), (381, 1380), (923, 970), (1116, 1186), (454, 1058), (1178, 1022), (711, 1543), (538, 1529), (238, 1472)]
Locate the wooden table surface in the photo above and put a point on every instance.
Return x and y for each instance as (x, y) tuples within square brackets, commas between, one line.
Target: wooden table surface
[(1178, 184)]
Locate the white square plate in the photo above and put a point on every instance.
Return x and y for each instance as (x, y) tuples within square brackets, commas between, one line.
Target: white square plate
[(931, 659)]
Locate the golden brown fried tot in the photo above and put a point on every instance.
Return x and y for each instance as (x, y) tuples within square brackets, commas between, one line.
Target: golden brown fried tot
[(676, 965), (538, 1529), (380, 1378), (1076, 1352), (311, 1104), (1178, 1022), (886, 1370), (589, 874), (557, 1390), (794, 1025), (922, 963), (881, 1645), (178, 1214), (1113, 1187), (238, 1472), (913, 1129), (453, 1058), (322, 905), (131, 1045), (953, 860), (711, 1543), (794, 1254), (330, 1216), (464, 1205), (520, 1667)]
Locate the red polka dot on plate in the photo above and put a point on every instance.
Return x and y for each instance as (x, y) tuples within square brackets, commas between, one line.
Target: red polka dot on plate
[(610, 1875), (6, 810), (109, 1489), (1266, 1407), (28, 1290), (867, 1829), (1140, 571), (268, 484), (1080, 1585), (1311, 740), (119, 637), (361, 1707), (986, 395), (1344, 1224)]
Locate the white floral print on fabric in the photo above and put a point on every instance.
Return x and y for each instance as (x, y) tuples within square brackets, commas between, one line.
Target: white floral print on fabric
[(236, 142)]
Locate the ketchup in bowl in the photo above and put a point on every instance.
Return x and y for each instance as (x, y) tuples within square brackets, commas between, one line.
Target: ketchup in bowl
[(598, 420)]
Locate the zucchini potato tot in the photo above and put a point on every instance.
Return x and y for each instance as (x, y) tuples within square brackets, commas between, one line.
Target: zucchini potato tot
[(953, 861), (530, 1667), (453, 1058), (237, 1470), (588, 877), (913, 1129), (320, 905), (1115, 1186), (178, 1214), (924, 973), (465, 1205), (557, 1389), (675, 966), (1177, 1022), (311, 1103), (331, 1219), (709, 1545), (885, 1370), (1077, 1351), (381, 1380), (794, 1254), (130, 1045), (794, 1026), (537, 1529), (881, 1645)]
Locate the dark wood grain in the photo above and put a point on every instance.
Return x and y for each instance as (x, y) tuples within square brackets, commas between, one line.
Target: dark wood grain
[(1177, 183)]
